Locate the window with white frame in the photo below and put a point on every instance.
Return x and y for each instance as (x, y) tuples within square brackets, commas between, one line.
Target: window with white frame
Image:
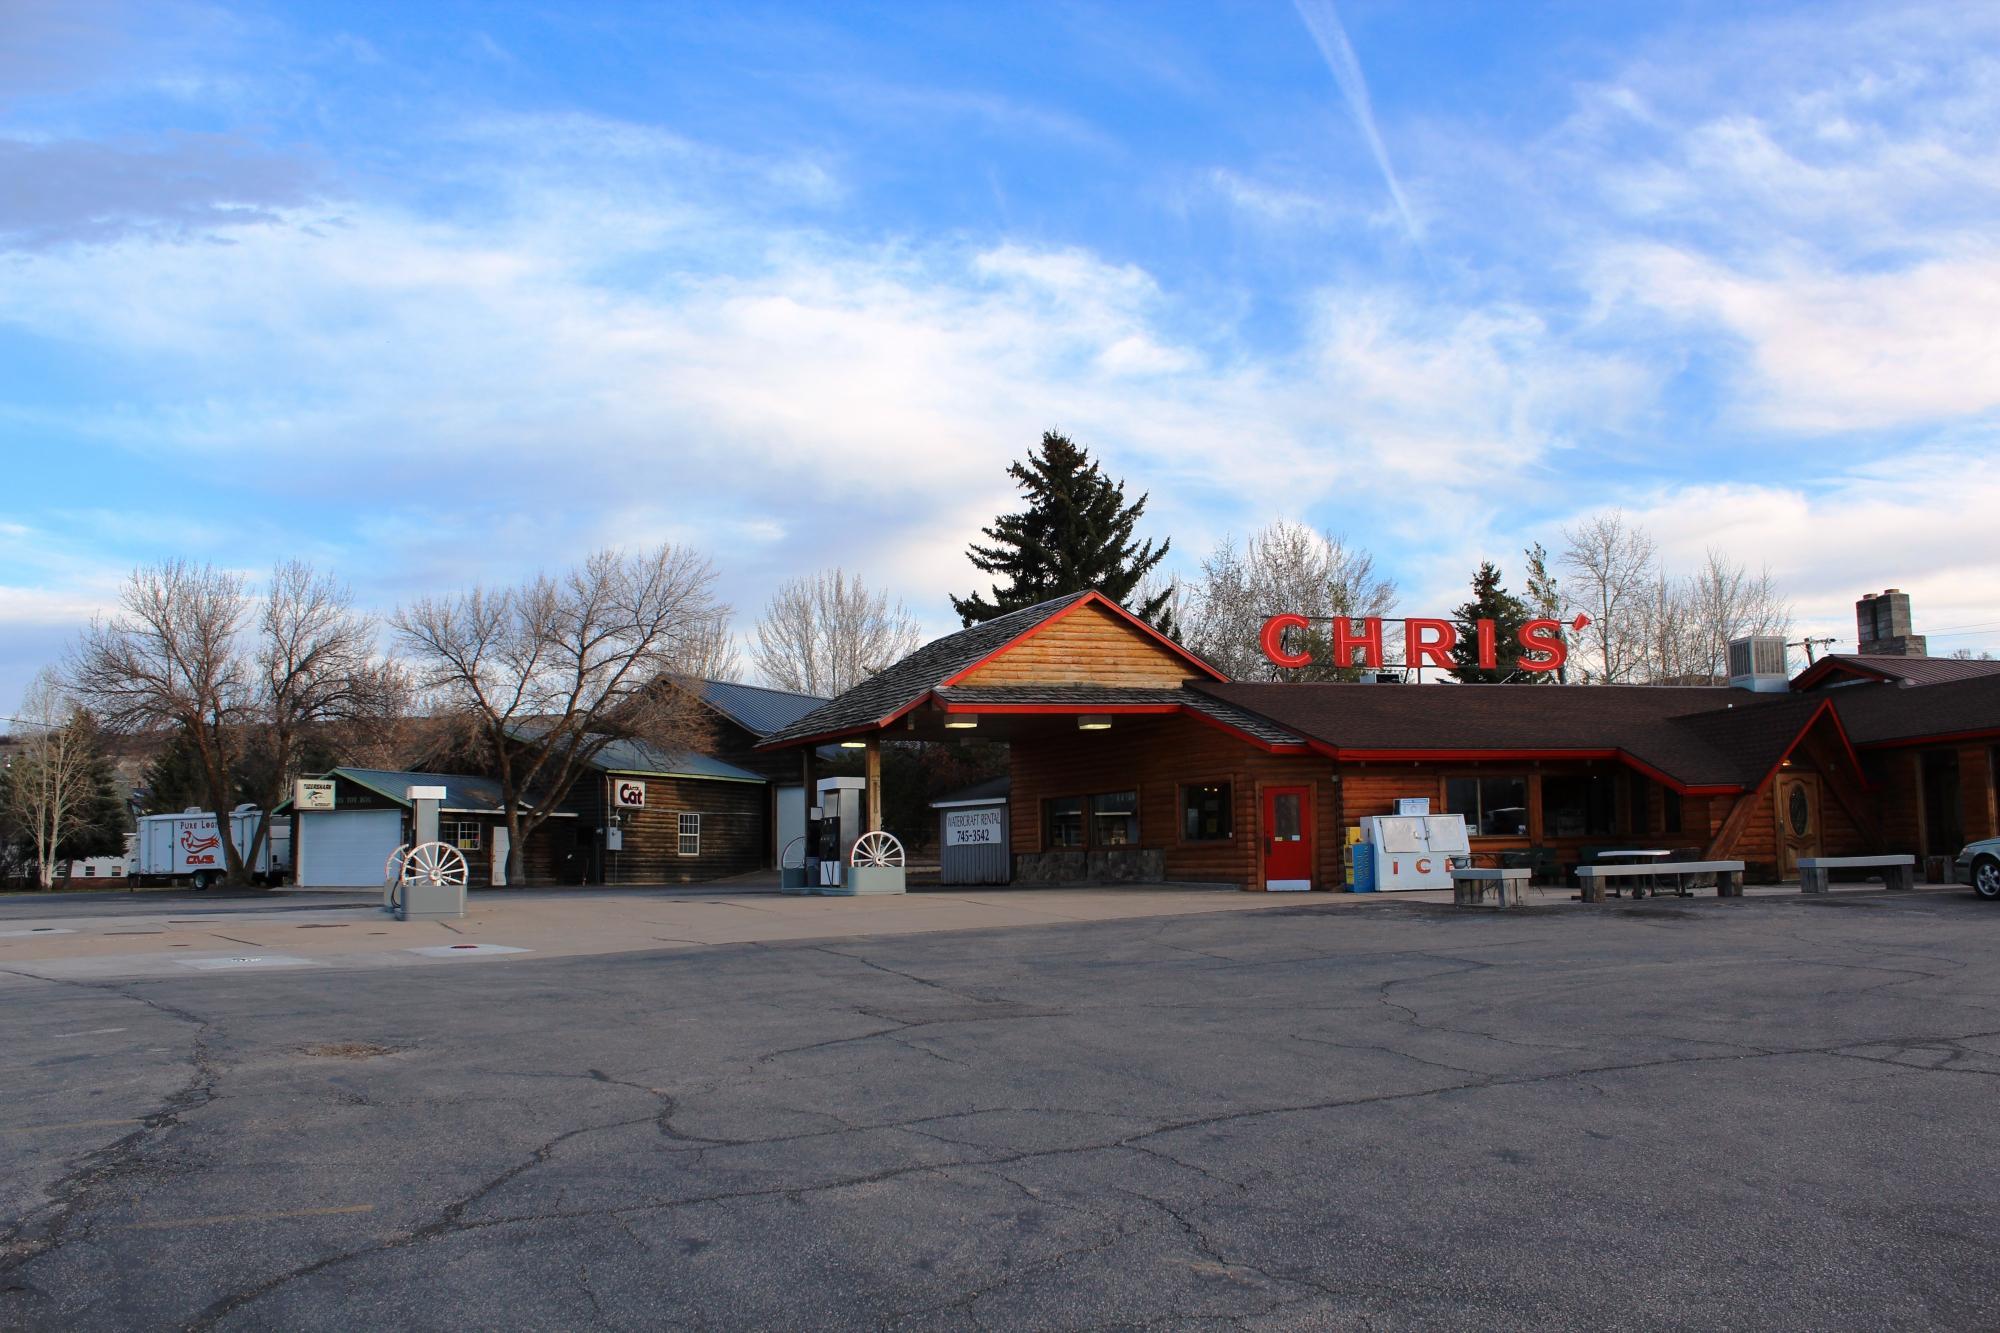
[(690, 835)]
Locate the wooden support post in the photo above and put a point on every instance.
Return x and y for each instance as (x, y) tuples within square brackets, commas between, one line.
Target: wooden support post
[(874, 776)]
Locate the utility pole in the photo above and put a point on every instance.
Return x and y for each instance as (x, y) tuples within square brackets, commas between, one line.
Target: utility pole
[(1807, 644)]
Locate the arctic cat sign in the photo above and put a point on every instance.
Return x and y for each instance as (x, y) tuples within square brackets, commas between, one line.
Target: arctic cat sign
[(1425, 642)]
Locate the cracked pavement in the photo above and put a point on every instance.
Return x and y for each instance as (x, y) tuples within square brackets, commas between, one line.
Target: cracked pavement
[(1758, 1112)]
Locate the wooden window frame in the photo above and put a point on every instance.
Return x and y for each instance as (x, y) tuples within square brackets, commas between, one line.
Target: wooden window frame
[(681, 818), (1530, 783), (1090, 817), (1049, 844), (1180, 812)]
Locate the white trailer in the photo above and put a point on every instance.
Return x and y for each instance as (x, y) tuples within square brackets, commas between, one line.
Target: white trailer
[(188, 846)]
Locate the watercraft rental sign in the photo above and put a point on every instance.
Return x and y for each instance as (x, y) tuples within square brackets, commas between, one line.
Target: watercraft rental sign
[(1538, 644)]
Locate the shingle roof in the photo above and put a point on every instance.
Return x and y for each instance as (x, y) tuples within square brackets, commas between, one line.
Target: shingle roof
[(464, 793), (1698, 735), (645, 759), (1916, 671), (1875, 714), (757, 708), (888, 692)]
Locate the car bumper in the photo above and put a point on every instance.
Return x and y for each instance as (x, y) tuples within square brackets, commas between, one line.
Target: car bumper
[(1961, 870)]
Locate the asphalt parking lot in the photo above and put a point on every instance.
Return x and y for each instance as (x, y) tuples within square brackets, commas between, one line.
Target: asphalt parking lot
[(1763, 1112)]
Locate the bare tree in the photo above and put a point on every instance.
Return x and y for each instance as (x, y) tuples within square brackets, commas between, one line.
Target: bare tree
[(242, 680), (712, 654), (1610, 567), (1728, 602), (545, 675), (1285, 566), (824, 633), (315, 666), (52, 776), (170, 658), (1671, 639)]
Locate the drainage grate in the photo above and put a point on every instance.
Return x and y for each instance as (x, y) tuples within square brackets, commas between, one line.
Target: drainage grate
[(37, 930)]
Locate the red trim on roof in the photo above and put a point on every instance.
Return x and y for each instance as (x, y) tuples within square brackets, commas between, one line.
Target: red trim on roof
[(1150, 710), (1827, 666), (1268, 747), (1091, 598), (1057, 710), (1846, 743)]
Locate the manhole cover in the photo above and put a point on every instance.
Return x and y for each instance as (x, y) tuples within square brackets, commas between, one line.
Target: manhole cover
[(348, 1050)]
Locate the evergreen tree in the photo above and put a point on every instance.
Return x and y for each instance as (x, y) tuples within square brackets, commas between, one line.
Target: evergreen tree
[(1490, 601), (96, 827), (174, 780), (1075, 535), (105, 818), (1543, 599)]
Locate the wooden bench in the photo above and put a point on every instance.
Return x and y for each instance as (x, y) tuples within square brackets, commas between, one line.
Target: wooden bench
[(1469, 886), (1728, 876), (1899, 870)]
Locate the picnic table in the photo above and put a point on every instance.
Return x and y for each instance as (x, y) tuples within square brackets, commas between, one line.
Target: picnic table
[(1637, 856)]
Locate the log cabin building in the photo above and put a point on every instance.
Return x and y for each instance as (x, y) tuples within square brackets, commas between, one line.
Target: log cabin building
[(1132, 760)]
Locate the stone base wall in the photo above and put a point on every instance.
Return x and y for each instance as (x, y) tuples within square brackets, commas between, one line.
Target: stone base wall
[(1097, 865)]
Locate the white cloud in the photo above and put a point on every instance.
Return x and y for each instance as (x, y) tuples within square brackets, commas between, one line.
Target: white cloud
[(1921, 522), (1819, 192)]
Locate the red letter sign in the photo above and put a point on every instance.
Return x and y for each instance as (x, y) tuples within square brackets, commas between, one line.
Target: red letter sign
[(1272, 640), (1489, 651), (1369, 641), (1419, 651), (1543, 637)]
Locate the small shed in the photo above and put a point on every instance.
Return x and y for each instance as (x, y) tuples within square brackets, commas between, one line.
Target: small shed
[(972, 834)]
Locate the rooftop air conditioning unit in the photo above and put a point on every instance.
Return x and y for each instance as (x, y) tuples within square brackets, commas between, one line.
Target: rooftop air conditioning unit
[(1758, 664)]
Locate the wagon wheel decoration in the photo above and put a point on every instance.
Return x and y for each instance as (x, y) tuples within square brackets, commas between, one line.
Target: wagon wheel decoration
[(794, 855), (877, 849), (392, 873), (435, 863)]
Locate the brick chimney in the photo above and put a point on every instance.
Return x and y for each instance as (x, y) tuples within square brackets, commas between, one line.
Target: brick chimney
[(1882, 624)]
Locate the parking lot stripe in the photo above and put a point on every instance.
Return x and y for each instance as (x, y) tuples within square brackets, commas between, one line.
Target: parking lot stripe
[(166, 1223)]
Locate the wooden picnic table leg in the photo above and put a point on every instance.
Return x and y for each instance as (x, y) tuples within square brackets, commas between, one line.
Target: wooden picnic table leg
[(1728, 884), (1593, 889)]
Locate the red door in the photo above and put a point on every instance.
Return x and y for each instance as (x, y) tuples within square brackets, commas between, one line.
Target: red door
[(1288, 844)]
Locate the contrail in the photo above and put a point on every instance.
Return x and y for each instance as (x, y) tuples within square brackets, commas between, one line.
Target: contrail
[(1323, 22)]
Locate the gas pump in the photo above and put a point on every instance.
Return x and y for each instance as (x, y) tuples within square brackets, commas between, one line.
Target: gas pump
[(840, 823)]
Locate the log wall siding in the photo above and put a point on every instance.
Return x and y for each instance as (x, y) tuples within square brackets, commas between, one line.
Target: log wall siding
[(1088, 646), (1976, 792), (1156, 757), (733, 833)]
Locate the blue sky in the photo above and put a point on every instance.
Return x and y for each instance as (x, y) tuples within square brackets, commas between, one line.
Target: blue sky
[(445, 293)]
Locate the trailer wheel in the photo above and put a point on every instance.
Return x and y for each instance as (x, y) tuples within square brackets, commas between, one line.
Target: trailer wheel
[(202, 879)]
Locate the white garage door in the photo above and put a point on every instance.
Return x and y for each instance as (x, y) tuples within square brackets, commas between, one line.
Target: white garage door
[(346, 848)]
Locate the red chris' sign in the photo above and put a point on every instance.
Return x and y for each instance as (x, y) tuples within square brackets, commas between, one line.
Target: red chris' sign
[(1425, 642)]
